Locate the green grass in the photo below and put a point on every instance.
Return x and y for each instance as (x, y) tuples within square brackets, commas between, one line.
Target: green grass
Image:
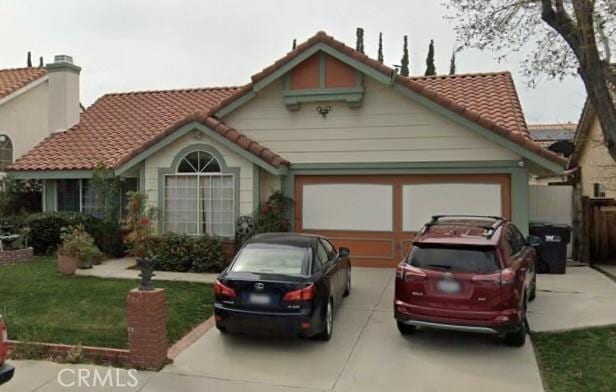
[(578, 361), (40, 305)]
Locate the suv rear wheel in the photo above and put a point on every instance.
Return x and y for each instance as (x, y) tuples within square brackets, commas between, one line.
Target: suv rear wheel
[(406, 329), (518, 337)]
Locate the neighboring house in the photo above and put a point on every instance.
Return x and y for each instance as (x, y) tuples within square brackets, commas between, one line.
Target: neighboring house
[(547, 134), (34, 103), (594, 169), (367, 155)]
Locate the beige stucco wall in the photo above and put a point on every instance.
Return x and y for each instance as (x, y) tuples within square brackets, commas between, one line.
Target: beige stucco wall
[(24, 119), (596, 163), (164, 159), (388, 127)]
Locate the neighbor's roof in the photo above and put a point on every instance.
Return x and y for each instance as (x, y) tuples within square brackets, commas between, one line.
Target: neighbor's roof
[(12, 80), (118, 127), (547, 134)]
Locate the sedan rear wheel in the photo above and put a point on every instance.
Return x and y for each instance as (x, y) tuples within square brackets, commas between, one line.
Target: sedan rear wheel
[(328, 322)]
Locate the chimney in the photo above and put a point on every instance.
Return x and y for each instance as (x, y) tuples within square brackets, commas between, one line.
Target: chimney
[(64, 108)]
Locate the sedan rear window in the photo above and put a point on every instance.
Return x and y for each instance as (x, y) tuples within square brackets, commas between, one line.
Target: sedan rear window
[(454, 259), (272, 259)]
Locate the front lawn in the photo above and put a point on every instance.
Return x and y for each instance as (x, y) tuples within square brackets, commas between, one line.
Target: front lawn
[(578, 361), (40, 305)]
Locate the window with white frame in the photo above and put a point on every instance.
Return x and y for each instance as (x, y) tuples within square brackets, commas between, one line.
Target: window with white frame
[(199, 197)]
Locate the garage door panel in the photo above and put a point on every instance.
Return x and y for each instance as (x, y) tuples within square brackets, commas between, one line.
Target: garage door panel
[(360, 207), (421, 201)]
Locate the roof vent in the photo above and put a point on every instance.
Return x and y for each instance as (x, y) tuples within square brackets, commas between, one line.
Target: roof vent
[(63, 58)]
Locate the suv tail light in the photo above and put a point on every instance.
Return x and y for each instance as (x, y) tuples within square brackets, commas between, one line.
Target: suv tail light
[(305, 294), (507, 277), (407, 272), (222, 290)]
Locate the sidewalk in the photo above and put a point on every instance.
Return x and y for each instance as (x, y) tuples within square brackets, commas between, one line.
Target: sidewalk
[(609, 270), (120, 269)]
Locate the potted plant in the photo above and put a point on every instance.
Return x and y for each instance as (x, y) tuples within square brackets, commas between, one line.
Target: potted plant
[(77, 250)]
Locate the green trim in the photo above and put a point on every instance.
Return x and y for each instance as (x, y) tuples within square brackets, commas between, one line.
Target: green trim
[(162, 172), (428, 166), (352, 96), (518, 175), (50, 174), (486, 133), (519, 199), (197, 126), (236, 104), (322, 70), (256, 187)]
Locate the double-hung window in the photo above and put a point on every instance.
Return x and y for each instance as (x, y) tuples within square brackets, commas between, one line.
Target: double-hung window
[(199, 197)]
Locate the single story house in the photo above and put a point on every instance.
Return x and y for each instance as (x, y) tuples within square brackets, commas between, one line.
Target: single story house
[(367, 155)]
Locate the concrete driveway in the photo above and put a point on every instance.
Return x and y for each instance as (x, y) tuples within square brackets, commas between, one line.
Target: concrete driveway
[(366, 352)]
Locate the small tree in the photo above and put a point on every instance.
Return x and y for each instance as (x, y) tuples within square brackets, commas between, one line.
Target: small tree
[(452, 63), (138, 224), (430, 67), (108, 188), (270, 216), (404, 63), (41, 62), (380, 50), (359, 40), (29, 60)]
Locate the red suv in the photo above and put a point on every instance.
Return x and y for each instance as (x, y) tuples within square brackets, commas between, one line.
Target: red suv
[(467, 273), (6, 370)]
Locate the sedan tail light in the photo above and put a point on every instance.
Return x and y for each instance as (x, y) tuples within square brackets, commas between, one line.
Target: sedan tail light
[(305, 294), (222, 290)]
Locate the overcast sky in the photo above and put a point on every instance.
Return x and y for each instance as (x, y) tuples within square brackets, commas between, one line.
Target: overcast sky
[(125, 45)]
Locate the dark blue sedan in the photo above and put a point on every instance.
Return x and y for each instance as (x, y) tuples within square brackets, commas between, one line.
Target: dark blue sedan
[(283, 284)]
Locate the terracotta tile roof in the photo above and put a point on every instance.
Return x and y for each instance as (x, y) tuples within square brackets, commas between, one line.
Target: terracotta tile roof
[(12, 80), (117, 127)]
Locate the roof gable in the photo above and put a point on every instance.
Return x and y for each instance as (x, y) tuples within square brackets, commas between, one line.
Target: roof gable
[(11, 80)]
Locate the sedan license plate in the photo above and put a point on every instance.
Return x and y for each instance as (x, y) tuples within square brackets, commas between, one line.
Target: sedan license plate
[(448, 286), (260, 299)]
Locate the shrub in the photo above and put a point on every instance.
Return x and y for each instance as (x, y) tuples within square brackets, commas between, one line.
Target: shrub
[(46, 227), (185, 253)]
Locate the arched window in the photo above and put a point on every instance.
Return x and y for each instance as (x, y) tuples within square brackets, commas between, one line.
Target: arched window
[(199, 162), (200, 197), (6, 152)]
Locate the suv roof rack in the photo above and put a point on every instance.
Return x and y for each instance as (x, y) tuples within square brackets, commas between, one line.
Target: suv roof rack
[(490, 229)]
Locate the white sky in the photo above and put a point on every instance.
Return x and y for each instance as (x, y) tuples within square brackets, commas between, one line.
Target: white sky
[(125, 45)]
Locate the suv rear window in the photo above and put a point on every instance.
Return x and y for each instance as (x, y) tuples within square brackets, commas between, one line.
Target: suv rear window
[(454, 259)]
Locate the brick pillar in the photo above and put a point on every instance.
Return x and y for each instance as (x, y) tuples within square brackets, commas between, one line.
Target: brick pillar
[(147, 328)]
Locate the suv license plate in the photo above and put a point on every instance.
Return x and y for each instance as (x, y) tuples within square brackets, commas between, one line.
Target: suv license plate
[(259, 299), (448, 286)]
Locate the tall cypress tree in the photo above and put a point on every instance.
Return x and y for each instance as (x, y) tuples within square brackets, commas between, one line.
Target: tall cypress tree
[(380, 52), (359, 42), (430, 67), (29, 60), (452, 63), (404, 63), (294, 43)]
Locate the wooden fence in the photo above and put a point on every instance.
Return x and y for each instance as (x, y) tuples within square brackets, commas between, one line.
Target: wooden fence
[(598, 236)]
